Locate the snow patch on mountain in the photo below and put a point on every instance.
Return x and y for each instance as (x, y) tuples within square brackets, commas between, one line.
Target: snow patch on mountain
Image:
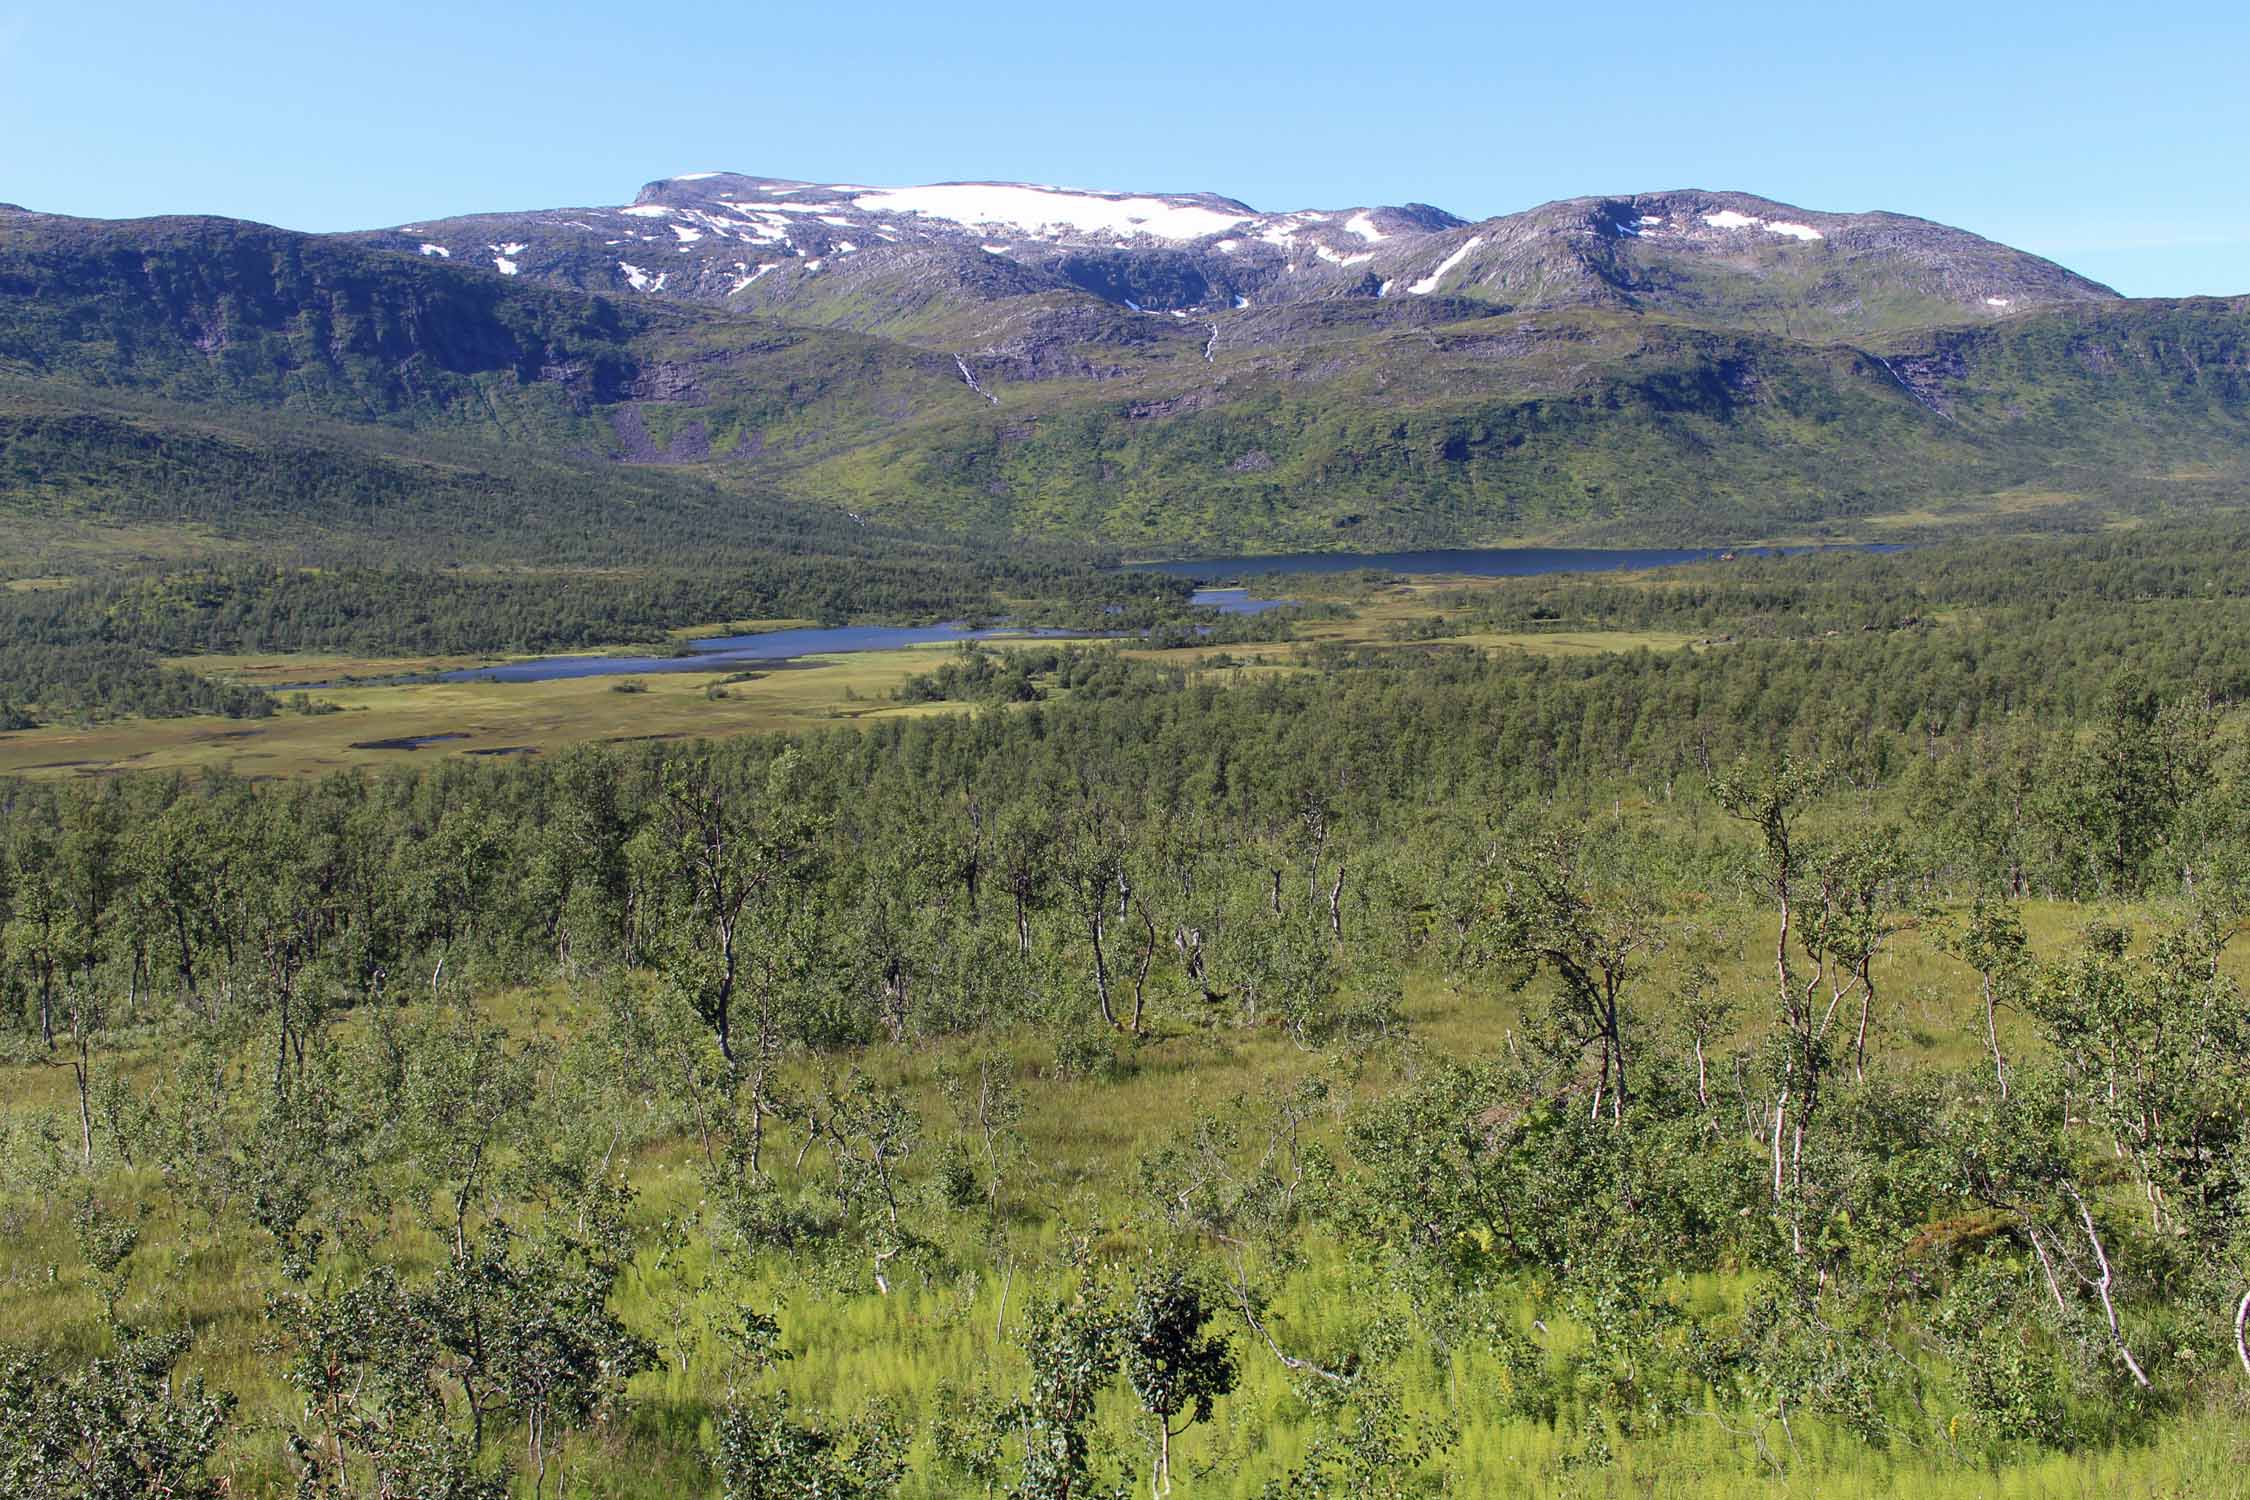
[(1429, 283), (1284, 230), (1040, 212), (1727, 218), (438, 250), (1363, 226)]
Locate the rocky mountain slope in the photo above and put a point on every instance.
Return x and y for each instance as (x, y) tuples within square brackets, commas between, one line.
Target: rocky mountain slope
[(1152, 370)]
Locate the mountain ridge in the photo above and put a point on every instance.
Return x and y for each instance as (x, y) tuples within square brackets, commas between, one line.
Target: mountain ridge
[(867, 257), (1686, 364)]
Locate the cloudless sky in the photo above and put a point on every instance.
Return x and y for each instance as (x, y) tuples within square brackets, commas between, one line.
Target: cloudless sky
[(2113, 138)]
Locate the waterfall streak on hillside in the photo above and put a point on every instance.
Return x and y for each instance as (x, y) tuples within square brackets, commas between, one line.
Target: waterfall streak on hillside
[(966, 374)]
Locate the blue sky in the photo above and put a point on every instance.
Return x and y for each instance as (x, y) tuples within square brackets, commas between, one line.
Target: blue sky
[(2113, 138)]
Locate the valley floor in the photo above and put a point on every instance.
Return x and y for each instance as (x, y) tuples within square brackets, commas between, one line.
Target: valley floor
[(364, 723)]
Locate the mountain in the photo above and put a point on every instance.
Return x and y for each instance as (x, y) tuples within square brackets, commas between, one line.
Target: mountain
[(1150, 370), (971, 264), (245, 384)]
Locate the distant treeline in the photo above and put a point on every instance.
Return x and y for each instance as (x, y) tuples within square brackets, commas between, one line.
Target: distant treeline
[(253, 607), (1847, 589), (40, 683)]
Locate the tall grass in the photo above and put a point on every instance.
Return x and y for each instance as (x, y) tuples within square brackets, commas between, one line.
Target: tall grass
[(947, 1325)]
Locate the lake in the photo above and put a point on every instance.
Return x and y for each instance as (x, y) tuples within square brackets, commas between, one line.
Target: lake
[(1235, 601)]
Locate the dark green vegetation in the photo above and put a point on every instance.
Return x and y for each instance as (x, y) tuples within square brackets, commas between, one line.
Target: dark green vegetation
[(264, 608), (80, 681), (1810, 1064)]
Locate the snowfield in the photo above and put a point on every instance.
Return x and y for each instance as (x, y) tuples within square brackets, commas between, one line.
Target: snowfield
[(1040, 212)]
